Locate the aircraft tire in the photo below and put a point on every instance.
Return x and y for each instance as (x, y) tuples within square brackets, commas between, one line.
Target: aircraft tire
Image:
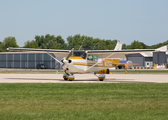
[(101, 77), (65, 76), (71, 78)]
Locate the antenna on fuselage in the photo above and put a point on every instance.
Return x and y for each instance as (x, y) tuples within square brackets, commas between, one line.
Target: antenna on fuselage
[(95, 45), (81, 44)]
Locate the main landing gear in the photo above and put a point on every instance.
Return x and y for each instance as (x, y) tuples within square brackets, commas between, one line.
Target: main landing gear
[(69, 77), (101, 77)]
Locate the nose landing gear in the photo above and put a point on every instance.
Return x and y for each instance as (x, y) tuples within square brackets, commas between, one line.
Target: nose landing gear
[(65, 76)]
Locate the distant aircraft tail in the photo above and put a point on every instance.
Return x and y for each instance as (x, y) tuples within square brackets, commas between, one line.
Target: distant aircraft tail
[(118, 46), (163, 48)]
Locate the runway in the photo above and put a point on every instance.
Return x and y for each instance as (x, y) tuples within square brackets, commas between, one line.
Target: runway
[(82, 78)]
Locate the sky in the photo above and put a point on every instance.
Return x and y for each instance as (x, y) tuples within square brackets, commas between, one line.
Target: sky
[(124, 20)]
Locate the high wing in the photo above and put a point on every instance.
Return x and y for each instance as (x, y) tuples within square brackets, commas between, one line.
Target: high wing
[(57, 53), (118, 53), (98, 53)]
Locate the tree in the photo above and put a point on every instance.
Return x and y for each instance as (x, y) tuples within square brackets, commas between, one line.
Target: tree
[(38, 40), (124, 46), (1, 46), (159, 45), (110, 44), (79, 42), (96, 44), (50, 42), (9, 42), (30, 44), (75, 41), (88, 43), (135, 45)]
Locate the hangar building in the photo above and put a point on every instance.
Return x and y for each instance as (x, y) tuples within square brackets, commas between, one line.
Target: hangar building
[(148, 59), (27, 60)]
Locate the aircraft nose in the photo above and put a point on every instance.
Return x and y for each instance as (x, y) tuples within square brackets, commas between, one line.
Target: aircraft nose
[(65, 61)]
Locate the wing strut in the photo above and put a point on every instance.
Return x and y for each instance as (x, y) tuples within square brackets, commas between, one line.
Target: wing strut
[(70, 53), (57, 61), (54, 58)]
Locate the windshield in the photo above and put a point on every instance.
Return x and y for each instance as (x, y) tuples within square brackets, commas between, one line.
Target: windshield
[(78, 53)]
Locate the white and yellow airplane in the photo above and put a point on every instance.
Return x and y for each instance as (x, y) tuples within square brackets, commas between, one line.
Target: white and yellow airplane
[(88, 61)]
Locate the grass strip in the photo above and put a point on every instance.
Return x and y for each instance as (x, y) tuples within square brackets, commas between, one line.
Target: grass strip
[(81, 101)]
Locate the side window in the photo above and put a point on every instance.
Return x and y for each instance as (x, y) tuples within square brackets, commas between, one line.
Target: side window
[(89, 57), (95, 58)]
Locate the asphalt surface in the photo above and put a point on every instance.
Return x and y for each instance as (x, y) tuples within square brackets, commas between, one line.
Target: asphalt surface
[(81, 78)]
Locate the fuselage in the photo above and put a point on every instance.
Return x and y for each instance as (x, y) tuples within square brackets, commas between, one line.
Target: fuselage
[(76, 64)]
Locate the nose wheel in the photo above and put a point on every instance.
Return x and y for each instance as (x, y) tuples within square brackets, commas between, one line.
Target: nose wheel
[(71, 77), (65, 76)]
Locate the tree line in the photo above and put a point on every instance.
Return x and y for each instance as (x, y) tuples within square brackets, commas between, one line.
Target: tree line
[(78, 42)]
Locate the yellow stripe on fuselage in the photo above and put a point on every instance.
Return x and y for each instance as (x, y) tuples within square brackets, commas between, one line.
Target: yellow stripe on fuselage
[(75, 57), (112, 60), (104, 63), (85, 64)]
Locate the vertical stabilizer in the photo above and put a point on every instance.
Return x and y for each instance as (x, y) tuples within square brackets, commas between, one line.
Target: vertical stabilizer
[(118, 46)]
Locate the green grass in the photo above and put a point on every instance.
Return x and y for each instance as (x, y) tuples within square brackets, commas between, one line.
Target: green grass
[(90, 101)]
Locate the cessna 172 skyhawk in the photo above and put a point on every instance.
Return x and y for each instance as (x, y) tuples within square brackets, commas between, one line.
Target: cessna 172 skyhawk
[(89, 61)]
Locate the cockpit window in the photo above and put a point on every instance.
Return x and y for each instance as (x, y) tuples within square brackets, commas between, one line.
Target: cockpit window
[(89, 57), (78, 53), (92, 57), (95, 58)]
